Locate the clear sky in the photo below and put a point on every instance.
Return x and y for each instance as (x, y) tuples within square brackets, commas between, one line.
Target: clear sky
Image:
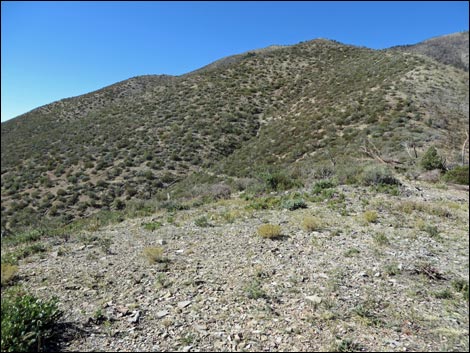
[(54, 50)]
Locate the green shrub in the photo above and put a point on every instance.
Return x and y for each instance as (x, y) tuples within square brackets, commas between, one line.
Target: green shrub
[(278, 181), (152, 226), (432, 160), (458, 175), (202, 222), (27, 322), (322, 185), (378, 175), (294, 204)]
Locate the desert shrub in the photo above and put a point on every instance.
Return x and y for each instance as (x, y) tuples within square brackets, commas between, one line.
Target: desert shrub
[(378, 175), (202, 222), (310, 223), (27, 322), (279, 180), (264, 203), (269, 231), (152, 226), (220, 191), (172, 206), (294, 204), (9, 271), (432, 160), (457, 175), (370, 216), (154, 254), (461, 286), (321, 185)]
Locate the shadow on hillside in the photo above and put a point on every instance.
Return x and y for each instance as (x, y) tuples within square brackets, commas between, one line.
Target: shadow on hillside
[(64, 334)]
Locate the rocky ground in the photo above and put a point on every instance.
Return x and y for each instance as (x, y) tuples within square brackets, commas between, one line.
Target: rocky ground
[(351, 284)]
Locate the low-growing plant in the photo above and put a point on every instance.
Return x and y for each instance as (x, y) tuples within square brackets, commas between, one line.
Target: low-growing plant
[(154, 254), (254, 290), (294, 204), (378, 175), (433, 231), (311, 223), (269, 231), (152, 225), (457, 175), (322, 185), (461, 286), (202, 222), (381, 239), (351, 252), (370, 216), (27, 322), (9, 271), (444, 294), (392, 269)]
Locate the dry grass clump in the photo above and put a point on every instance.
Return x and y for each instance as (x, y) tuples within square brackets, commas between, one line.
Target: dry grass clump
[(154, 254), (270, 231), (370, 216), (7, 273), (311, 223)]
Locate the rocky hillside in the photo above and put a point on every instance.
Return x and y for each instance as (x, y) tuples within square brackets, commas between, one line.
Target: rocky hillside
[(290, 107), (303, 198), (353, 270)]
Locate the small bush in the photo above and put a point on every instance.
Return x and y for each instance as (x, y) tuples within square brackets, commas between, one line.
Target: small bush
[(322, 185), (381, 239), (378, 175), (202, 222), (461, 286), (254, 291), (269, 231), (294, 204), (432, 160), (370, 216), (152, 226), (154, 254), (278, 181), (458, 175), (311, 223), (8, 272), (27, 322)]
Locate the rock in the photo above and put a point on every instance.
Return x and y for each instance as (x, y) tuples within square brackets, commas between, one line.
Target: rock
[(187, 348), (134, 318), (161, 314), (315, 299), (183, 304)]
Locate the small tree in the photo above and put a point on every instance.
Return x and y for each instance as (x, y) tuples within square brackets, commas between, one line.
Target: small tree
[(432, 160)]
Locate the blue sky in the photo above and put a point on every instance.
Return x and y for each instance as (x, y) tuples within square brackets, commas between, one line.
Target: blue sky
[(54, 50)]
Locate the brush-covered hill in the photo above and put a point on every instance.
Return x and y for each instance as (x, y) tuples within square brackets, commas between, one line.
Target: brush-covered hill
[(451, 49), (290, 107)]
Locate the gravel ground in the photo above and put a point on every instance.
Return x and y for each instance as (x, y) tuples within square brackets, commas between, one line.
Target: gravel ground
[(348, 285)]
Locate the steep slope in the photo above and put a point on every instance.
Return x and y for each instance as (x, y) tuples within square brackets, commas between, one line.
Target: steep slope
[(451, 49), (306, 103)]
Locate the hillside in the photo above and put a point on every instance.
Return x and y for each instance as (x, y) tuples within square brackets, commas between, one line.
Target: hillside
[(313, 103), (451, 49), (311, 197)]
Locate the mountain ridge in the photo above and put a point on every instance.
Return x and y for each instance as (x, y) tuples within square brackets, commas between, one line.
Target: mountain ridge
[(311, 103)]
